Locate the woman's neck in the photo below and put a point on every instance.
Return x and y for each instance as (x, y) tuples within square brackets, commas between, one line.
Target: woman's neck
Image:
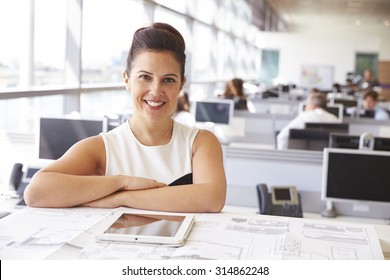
[(152, 134)]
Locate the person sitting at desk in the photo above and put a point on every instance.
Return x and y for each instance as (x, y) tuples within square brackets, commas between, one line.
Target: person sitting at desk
[(137, 163), (370, 103), (182, 114), (314, 112), (369, 81), (351, 88), (234, 89)]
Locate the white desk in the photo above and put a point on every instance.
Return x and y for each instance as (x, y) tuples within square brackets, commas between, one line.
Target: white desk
[(37, 233), (382, 226)]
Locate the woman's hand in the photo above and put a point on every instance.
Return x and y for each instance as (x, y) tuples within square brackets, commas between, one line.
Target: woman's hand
[(110, 201), (129, 183), (138, 183)]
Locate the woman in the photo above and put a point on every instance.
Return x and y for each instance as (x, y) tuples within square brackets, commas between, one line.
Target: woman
[(183, 114), (133, 164), (234, 89)]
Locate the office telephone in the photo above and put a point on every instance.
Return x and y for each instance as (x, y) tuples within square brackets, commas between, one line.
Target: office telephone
[(282, 201), (19, 179), (16, 177)]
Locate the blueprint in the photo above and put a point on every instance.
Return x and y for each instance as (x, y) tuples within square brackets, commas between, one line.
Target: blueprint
[(34, 233)]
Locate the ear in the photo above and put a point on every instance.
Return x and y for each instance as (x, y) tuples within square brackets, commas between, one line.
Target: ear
[(182, 83), (125, 77)]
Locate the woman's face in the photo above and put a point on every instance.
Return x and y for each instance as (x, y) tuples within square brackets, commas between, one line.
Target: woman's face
[(155, 83)]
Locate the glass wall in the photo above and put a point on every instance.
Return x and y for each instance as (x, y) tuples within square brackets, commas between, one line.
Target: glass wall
[(49, 42), (220, 38), (53, 50), (108, 27), (32, 52), (14, 14)]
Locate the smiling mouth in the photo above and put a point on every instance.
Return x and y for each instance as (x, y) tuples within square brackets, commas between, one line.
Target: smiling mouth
[(154, 103)]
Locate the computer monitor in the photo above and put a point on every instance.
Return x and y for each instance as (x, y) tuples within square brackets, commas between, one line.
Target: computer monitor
[(334, 109), (346, 102), (360, 177), (333, 127), (367, 114), (308, 139), (337, 110), (381, 144), (345, 141), (57, 135), (219, 111)]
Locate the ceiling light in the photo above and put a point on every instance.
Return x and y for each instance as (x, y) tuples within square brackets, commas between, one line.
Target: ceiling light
[(386, 22), (358, 22)]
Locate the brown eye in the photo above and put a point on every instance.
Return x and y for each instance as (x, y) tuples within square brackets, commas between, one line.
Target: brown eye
[(169, 80), (145, 77)]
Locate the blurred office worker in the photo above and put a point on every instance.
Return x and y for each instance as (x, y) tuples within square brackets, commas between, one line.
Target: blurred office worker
[(313, 112), (234, 89), (370, 103), (369, 81), (183, 114)]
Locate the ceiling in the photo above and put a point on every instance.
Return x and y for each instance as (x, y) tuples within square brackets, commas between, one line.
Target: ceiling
[(339, 13)]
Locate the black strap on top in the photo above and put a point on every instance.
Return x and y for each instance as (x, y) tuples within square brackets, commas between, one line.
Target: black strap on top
[(183, 180)]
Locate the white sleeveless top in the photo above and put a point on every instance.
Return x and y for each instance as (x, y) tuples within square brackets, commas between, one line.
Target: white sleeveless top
[(125, 155)]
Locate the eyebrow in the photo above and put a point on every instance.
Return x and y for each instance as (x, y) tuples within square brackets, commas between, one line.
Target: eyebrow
[(165, 75)]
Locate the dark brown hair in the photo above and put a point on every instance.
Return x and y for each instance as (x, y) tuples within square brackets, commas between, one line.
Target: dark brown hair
[(234, 87), (160, 37), (371, 93), (183, 103), (239, 86)]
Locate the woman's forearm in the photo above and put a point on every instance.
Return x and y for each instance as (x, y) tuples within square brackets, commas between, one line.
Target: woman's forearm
[(50, 189), (186, 198)]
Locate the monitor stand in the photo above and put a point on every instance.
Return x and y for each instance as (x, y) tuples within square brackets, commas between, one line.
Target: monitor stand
[(329, 211)]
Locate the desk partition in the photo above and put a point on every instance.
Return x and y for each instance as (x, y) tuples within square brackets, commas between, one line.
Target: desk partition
[(246, 166), (261, 127)]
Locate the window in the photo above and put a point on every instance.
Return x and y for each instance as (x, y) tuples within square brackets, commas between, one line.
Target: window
[(41, 48), (175, 5), (13, 13), (202, 59), (107, 34), (366, 61), (204, 11), (269, 65), (49, 42)]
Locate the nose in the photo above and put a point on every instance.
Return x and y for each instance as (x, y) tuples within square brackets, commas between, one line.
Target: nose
[(156, 89)]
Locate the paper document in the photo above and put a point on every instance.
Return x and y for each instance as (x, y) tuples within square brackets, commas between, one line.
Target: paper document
[(35, 233)]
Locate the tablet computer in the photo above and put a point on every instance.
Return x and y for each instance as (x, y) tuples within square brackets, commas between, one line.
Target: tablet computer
[(161, 229)]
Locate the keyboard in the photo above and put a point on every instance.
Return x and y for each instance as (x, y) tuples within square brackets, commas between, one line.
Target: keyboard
[(287, 210)]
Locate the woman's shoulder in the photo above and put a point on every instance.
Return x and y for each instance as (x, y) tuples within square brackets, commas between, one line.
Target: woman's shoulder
[(88, 147), (206, 136)]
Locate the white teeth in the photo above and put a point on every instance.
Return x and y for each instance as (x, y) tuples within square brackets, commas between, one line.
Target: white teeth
[(154, 103)]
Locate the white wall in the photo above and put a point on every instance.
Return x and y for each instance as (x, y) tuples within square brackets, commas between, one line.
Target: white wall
[(330, 46)]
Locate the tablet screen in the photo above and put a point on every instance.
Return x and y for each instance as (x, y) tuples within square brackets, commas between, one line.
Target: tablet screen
[(146, 225)]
